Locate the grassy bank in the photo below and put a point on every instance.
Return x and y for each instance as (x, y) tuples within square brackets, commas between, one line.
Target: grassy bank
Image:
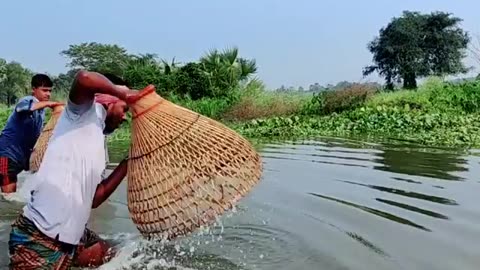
[(438, 113)]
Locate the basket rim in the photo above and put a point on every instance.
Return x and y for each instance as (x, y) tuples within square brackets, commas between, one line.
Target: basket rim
[(143, 93)]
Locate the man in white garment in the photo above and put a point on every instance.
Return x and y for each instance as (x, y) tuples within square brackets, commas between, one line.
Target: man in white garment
[(51, 232)]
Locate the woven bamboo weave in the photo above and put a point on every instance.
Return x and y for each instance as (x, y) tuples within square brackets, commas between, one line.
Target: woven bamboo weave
[(42, 142), (184, 169)]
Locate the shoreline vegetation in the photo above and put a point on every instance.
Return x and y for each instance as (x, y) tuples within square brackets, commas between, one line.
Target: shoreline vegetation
[(222, 85), (438, 113)]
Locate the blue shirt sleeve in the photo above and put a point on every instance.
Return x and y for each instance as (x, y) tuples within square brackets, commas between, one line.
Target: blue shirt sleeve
[(25, 104)]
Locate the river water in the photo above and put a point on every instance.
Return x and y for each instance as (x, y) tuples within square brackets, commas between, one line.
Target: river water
[(324, 204)]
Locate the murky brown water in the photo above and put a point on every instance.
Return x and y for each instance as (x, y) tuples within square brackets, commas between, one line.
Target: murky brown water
[(327, 204)]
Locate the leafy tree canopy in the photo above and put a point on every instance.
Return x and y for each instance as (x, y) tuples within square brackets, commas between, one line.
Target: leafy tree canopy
[(418, 45), (14, 81), (216, 74)]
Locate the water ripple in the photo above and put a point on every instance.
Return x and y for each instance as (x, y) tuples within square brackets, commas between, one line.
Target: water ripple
[(375, 212), (389, 196), (259, 244), (410, 194), (406, 180), (354, 236), (413, 208), (316, 161)]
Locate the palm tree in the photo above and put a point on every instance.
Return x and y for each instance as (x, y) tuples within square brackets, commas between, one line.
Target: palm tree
[(226, 69), (168, 68), (248, 67)]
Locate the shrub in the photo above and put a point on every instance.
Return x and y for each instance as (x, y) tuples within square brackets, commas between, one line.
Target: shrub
[(350, 98), (464, 97), (210, 107), (419, 100), (264, 104), (434, 95), (4, 114)]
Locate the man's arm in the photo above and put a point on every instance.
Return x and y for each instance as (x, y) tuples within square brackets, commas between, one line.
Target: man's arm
[(27, 104), (44, 104), (108, 186), (86, 84)]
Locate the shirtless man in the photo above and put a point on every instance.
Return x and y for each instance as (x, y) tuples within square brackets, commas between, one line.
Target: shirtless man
[(51, 232)]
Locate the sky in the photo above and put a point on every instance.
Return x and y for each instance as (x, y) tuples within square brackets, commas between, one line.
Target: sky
[(295, 43)]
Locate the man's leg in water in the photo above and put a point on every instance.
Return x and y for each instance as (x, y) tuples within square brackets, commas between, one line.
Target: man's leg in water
[(31, 249), (8, 183), (8, 175), (92, 251)]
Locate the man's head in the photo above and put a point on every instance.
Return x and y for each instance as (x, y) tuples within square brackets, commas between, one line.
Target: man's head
[(42, 87), (115, 107)]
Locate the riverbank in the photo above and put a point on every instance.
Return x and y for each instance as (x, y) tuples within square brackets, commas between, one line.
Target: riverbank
[(438, 113)]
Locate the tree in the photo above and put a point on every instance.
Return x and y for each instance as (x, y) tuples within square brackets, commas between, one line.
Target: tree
[(62, 84), (191, 80), (143, 70), (418, 45), (14, 81), (316, 87), (3, 70), (226, 69), (216, 74), (98, 57)]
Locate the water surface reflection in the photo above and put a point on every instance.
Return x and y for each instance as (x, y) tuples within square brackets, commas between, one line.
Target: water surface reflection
[(325, 204)]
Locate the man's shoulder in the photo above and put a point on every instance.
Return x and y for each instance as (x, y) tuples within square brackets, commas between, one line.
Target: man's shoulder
[(25, 103), (77, 110), (28, 97), (88, 106)]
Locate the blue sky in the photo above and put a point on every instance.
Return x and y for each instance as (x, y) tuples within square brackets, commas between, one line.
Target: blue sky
[(294, 42)]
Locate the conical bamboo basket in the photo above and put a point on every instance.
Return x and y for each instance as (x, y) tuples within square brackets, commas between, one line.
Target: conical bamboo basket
[(184, 169), (42, 142)]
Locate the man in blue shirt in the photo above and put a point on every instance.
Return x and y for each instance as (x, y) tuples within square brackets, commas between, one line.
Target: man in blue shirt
[(22, 131)]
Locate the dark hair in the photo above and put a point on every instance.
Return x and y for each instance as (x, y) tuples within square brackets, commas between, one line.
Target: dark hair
[(39, 80), (115, 79)]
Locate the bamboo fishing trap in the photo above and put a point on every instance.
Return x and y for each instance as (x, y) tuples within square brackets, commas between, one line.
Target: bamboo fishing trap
[(42, 142), (184, 169)]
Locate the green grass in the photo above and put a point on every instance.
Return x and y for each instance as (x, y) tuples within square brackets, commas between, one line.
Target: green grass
[(4, 114), (429, 129), (265, 105), (437, 113), (211, 107), (403, 98)]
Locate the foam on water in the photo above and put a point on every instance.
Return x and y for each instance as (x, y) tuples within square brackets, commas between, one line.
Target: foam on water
[(134, 252), (14, 197), (189, 253), (25, 184)]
